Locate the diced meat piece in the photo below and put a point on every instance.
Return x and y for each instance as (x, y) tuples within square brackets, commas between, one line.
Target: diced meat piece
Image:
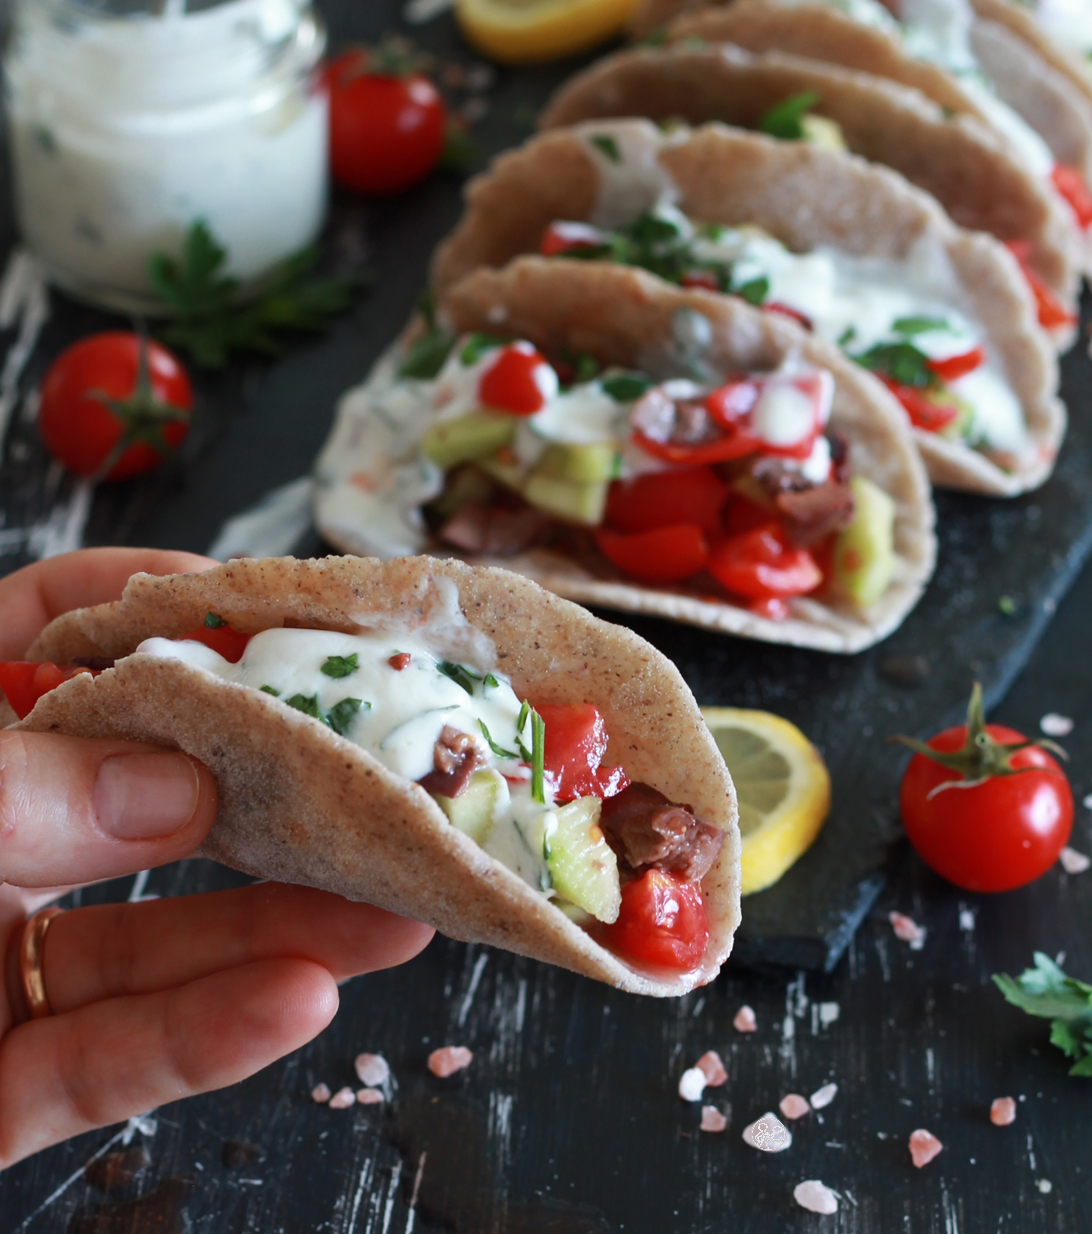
[(455, 758), (711, 1066), (1002, 1111), (924, 1146), (815, 1197), (692, 1084), (342, 1099), (1055, 725), (369, 1096), (372, 1070), (745, 1021), (320, 1094), (839, 455), (478, 528), (646, 830), (1074, 862), (908, 930), (768, 1134), (449, 1059), (794, 1106), (815, 513), (822, 1097), (678, 421), (712, 1119)]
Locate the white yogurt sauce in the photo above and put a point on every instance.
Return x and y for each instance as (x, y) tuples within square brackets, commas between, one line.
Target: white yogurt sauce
[(1068, 21), (127, 130)]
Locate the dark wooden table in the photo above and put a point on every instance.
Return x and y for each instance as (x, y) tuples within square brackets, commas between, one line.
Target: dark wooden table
[(568, 1119)]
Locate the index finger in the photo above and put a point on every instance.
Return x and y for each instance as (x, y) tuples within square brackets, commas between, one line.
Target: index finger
[(30, 598)]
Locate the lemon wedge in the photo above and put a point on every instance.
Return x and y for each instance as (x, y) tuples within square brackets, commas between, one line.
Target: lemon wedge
[(521, 31), (782, 785)]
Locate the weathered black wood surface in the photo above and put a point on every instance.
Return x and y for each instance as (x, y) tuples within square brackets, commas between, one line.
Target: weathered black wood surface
[(568, 1119)]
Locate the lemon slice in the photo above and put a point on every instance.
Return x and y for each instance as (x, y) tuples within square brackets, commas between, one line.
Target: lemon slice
[(782, 785), (520, 31)]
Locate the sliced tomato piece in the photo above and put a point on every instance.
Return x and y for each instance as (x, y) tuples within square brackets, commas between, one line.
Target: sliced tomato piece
[(25, 681), (762, 564), (1051, 311), (784, 310), (663, 555), (562, 237), (702, 280), (661, 498), (930, 417), (662, 921), (576, 740), (220, 637), (954, 367), (743, 514), (1071, 186), (514, 381), (720, 450)]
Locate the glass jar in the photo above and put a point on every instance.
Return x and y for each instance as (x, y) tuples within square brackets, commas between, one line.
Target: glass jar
[(131, 120)]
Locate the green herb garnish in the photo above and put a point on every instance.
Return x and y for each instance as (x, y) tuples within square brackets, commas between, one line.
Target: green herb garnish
[(625, 387), (521, 721), (340, 666), (538, 758), (490, 681), (1047, 992), (308, 705), (910, 326), (458, 674), (430, 349), (499, 751), (847, 336), (340, 717), (786, 120), (212, 622), (754, 291), (585, 367), (608, 146), (902, 362), (476, 346), (210, 319), (271, 690)]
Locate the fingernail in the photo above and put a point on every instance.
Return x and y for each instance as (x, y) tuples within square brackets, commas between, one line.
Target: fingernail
[(145, 796)]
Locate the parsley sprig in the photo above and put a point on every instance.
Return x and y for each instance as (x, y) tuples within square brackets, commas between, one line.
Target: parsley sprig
[(210, 321), (1047, 992)]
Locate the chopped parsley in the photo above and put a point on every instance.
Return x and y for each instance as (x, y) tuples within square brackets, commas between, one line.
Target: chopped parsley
[(430, 349), (847, 336), (1047, 992), (476, 346), (585, 367), (340, 666), (786, 120), (902, 362), (308, 704), (459, 675), (212, 622), (340, 717), (490, 681), (625, 387), (271, 690), (607, 146), (499, 751), (909, 326), (754, 291)]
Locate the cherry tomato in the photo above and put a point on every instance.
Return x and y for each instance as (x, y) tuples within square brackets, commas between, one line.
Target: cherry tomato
[(762, 564), (1071, 186), (563, 237), (662, 555), (954, 367), (774, 306), (25, 681), (1051, 311), (662, 922), (386, 129), (930, 417), (743, 514), (1001, 833), (220, 637), (576, 740), (514, 381), (720, 450), (661, 498), (95, 406)]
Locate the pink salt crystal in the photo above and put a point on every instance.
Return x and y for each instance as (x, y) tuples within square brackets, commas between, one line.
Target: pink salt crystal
[(372, 1069), (1002, 1111), (1074, 862), (449, 1059), (745, 1021), (924, 1146), (320, 1094), (794, 1106), (712, 1119), (712, 1068), (908, 930), (768, 1133), (342, 1099), (815, 1197), (369, 1096)]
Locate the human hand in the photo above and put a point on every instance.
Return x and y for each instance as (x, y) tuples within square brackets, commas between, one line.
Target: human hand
[(160, 1000)]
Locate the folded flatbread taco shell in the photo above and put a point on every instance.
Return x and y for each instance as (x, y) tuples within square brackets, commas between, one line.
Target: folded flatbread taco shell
[(804, 196), (302, 805), (964, 165)]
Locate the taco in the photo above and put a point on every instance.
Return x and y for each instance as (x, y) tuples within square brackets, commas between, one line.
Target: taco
[(964, 165), (643, 447), (369, 732), (872, 264)]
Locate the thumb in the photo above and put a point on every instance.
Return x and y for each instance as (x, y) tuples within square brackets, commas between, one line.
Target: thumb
[(74, 810)]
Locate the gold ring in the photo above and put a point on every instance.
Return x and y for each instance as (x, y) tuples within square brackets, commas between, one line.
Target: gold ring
[(31, 952)]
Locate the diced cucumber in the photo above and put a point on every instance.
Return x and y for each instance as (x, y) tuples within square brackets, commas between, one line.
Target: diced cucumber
[(509, 474), (448, 442), (472, 810), (821, 132), (568, 499), (583, 867), (582, 463), (864, 553)]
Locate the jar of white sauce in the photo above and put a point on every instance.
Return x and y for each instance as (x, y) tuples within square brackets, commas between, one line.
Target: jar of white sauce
[(131, 120)]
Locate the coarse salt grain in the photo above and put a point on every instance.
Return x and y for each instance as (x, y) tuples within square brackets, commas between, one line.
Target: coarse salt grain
[(815, 1197), (1074, 862), (745, 1021), (692, 1084), (908, 930), (1045, 1185), (712, 1068), (768, 1134), (1002, 1111), (1055, 725), (320, 1093), (824, 1096), (342, 1099), (449, 1059), (712, 1119), (924, 1146), (794, 1106), (369, 1096), (372, 1069), (1087, 801)]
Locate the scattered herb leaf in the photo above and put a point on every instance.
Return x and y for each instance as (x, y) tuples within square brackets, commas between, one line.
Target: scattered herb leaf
[(625, 387), (430, 349), (785, 121), (476, 346), (490, 681), (910, 326), (521, 721), (270, 690), (340, 666), (308, 705), (459, 675), (902, 362), (607, 146), (340, 717), (1047, 992), (212, 622), (585, 367), (499, 751), (847, 336), (754, 291)]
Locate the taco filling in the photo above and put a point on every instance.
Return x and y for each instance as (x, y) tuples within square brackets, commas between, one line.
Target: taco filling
[(891, 317), (526, 783)]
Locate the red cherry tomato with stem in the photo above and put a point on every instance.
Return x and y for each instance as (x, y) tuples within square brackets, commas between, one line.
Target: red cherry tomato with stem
[(662, 922)]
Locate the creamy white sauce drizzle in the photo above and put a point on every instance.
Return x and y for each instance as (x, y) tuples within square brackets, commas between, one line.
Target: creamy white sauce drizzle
[(1068, 21)]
